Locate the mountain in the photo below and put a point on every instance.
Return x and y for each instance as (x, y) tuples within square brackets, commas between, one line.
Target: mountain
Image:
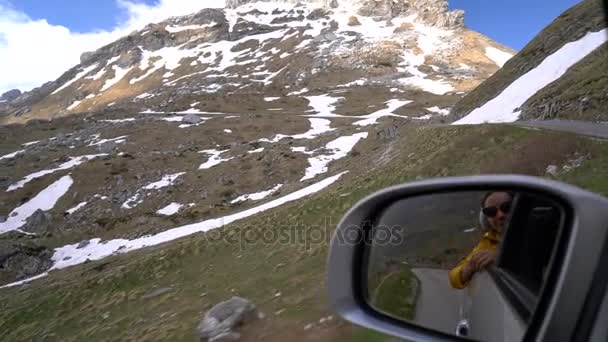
[(212, 155), (229, 60), (561, 74)]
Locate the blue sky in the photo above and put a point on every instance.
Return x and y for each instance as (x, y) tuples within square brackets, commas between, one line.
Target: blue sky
[(77, 15), (513, 22)]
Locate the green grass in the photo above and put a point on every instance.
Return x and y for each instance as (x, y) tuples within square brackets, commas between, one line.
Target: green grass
[(103, 300), (587, 80), (396, 295)]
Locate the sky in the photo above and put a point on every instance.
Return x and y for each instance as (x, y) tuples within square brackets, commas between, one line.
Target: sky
[(514, 22), (41, 39)]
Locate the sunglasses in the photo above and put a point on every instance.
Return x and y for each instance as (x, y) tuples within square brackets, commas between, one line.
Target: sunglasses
[(493, 211)]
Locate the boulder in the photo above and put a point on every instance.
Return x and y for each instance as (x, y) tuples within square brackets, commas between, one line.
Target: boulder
[(219, 323), (108, 147), (317, 14), (20, 260), (191, 119), (39, 222), (353, 21), (552, 170)]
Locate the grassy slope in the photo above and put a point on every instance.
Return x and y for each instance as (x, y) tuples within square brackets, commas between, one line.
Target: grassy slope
[(580, 94), (104, 300), (570, 26), (396, 295)]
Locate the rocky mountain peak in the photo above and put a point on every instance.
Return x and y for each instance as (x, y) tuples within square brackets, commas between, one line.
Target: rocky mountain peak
[(431, 12), (281, 47)]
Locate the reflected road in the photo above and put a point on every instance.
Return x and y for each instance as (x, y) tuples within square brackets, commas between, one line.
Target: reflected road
[(438, 303)]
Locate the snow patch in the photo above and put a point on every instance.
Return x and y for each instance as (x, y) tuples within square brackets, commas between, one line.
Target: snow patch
[(340, 148), (175, 29), (96, 142), (437, 87), (74, 105), (119, 120), (76, 78), (497, 56), (317, 127), (135, 200), (261, 149), (119, 74), (438, 110), (214, 159), (171, 209), (73, 162), (45, 200), (372, 118), (76, 208), (29, 143), (258, 195), (12, 155)]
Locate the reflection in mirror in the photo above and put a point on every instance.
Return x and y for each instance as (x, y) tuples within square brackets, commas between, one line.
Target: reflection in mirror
[(430, 255)]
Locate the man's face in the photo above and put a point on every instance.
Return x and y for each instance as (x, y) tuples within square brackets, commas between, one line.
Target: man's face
[(496, 200)]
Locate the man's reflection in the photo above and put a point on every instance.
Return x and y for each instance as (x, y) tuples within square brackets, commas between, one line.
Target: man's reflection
[(495, 210)]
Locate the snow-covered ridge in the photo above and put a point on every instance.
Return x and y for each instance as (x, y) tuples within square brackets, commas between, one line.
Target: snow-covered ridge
[(203, 51)]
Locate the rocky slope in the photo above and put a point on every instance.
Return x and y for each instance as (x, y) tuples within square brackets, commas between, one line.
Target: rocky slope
[(229, 60), (569, 59)]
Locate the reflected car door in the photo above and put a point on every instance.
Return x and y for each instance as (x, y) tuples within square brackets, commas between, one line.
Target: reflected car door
[(490, 315)]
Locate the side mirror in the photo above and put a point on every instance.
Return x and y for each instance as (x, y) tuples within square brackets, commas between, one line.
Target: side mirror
[(493, 258)]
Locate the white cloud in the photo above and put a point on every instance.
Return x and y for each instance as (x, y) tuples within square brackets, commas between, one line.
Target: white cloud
[(33, 52)]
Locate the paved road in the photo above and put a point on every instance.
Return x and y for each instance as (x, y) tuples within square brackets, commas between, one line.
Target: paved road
[(591, 129), (438, 304)]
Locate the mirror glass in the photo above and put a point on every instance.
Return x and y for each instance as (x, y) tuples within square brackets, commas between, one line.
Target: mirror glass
[(438, 260)]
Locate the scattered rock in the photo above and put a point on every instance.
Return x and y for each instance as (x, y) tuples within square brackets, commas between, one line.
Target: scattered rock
[(108, 147), (157, 292), (82, 244), (317, 14), (20, 260), (39, 222), (191, 119), (405, 27), (219, 323), (353, 21), (552, 170)]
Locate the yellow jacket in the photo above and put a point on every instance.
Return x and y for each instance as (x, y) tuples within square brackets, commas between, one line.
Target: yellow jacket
[(489, 241)]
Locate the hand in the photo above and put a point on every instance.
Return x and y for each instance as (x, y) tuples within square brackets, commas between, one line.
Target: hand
[(483, 259)]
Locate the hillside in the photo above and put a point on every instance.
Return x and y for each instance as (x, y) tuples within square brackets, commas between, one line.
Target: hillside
[(561, 73), (201, 270)]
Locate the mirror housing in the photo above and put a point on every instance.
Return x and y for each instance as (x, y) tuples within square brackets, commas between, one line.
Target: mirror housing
[(568, 283)]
